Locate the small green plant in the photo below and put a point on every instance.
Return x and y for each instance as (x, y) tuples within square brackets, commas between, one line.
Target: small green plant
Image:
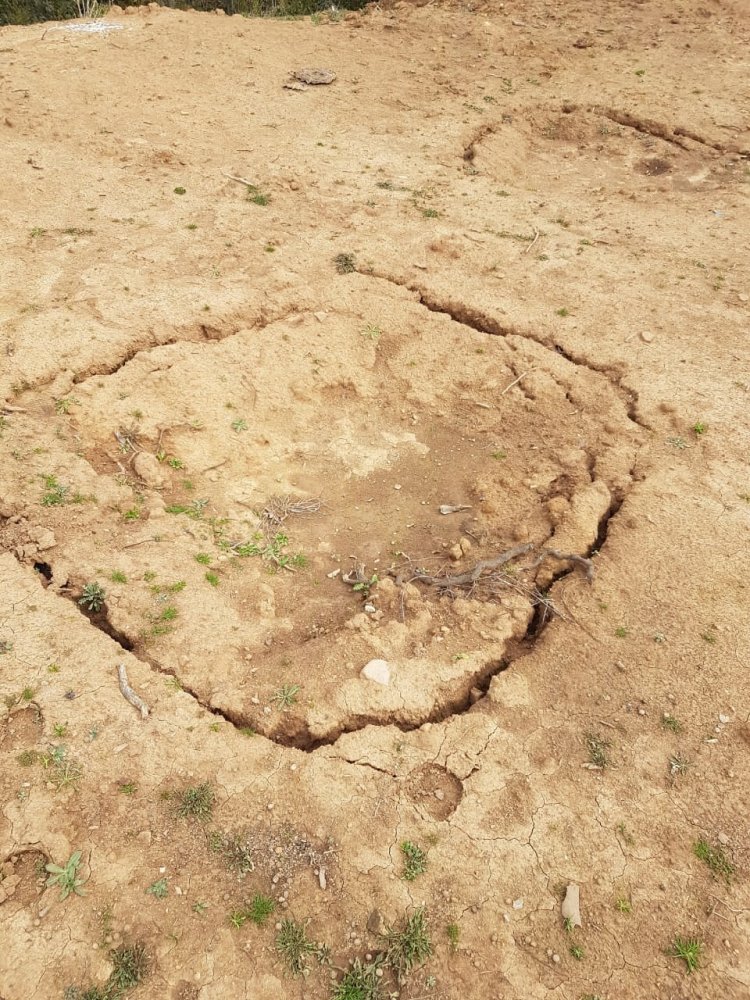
[(669, 722), (709, 636), (678, 765), (690, 950), (6, 646), (256, 196), (93, 597), (453, 933), (562, 312), (623, 905), (27, 694), (286, 696), (294, 946), (678, 442), (27, 758), (62, 406), (568, 925), (132, 515), (365, 586), (260, 909), (212, 578), (160, 889), (64, 772), (408, 946), (345, 263), (361, 981), (371, 332), (430, 213), (66, 877), (699, 428), (622, 632), (577, 952), (60, 729), (597, 747), (716, 859), (200, 908), (180, 190), (415, 860), (197, 801), (117, 576), (56, 494), (237, 918), (130, 967), (128, 788), (239, 425), (203, 558)]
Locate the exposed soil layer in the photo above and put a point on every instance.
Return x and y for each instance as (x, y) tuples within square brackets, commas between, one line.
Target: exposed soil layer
[(442, 365)]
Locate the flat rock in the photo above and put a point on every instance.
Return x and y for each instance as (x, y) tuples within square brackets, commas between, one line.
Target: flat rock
[(377, 671), (314, 77)]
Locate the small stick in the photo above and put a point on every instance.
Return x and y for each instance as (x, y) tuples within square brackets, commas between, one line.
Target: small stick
[(517, 380), (7, 408), (128, 693), (536, 237), (572, 557), (473, 575), (240, 180), (139, 541)]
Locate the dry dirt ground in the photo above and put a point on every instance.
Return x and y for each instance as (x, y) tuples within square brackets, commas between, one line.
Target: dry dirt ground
[(500, 264)]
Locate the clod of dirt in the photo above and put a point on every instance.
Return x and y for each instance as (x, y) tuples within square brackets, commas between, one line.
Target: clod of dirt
[(571, 905), (377, 671), (314, 77), (147, 468), (376, 924)]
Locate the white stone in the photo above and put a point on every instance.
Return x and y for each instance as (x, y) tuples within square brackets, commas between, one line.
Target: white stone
[(377, 671)]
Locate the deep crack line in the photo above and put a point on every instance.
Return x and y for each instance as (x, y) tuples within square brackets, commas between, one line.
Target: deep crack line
[(480, 322)]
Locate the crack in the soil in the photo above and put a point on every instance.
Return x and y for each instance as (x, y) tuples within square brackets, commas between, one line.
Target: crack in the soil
[(671, 134), (481, 322), (195, 333), (474, 688)]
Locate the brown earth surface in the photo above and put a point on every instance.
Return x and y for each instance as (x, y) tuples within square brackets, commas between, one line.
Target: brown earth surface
[(255, 334)]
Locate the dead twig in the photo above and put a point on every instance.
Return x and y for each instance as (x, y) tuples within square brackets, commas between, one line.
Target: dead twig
[(587, 564), (128, 693), (239, 180), (470, 578), (536, 237), (517, 380)]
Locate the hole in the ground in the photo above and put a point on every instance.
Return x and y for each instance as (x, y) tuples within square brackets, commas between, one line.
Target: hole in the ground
[(435, 790), (45, 571)]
